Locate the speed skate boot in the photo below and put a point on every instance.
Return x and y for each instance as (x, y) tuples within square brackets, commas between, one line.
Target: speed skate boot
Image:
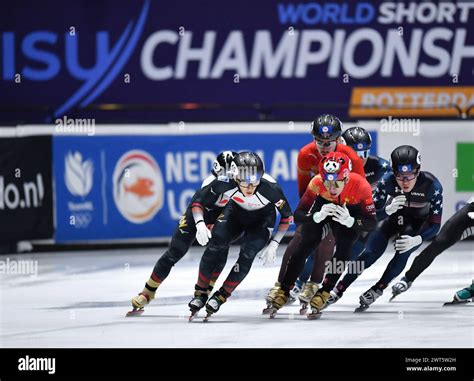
[(367, 298), (215, 302), (144, 297), (279, 300), (197, 302), (295, 291), (463, 296), (269, 298), (309, 290), (399, 287), (335, 295), (210, 287), (139, 302), (318, 302)]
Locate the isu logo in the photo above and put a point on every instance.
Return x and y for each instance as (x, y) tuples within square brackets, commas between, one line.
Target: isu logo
[(138, 186)]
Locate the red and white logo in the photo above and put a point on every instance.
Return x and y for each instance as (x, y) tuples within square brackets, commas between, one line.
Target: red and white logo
[(138, 186)]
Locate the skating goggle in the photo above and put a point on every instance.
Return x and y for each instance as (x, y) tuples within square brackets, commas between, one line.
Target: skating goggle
[(406, 176), (247, 182), (244, 184), (363, 154), (325, 142), (334, 183)]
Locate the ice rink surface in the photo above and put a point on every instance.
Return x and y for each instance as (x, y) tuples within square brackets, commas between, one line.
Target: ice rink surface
[(79, 299)]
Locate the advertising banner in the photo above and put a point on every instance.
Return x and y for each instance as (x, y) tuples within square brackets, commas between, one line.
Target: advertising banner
[(136, 187), (26, 195), (119, 187), (239, 53)]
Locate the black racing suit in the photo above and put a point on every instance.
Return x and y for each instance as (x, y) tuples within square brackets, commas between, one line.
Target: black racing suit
[(253, 218), (458, 227), (185, 233)]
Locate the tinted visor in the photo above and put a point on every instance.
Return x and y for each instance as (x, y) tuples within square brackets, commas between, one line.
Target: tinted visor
[(406, 176), (363, 154), (325, 142), (246, 181), (334, 183)]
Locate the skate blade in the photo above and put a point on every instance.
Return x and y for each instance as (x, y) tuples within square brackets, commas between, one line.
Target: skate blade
[(273, 313), (314, 315), (206, 318), (303, 309), (456, 302), (135, 312), (267, 311), (192, 316), (361, 308), (393, 297), (290, 301)]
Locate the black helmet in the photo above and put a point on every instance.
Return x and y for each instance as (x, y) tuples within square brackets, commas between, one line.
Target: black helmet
[(248, 168), (359, 140), (222, 163), (326, 126), (405, 159)]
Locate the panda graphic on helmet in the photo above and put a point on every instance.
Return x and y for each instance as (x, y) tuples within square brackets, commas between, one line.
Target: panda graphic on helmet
[(331, 166), (335, 166)]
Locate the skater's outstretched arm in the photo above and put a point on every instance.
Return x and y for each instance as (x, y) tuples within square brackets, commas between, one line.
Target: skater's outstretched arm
[(384, 188), (280, 201), (207, 197), (450, 233), (278, 198), (365, 217)]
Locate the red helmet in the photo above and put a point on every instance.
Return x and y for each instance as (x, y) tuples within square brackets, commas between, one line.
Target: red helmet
[(335, 166)]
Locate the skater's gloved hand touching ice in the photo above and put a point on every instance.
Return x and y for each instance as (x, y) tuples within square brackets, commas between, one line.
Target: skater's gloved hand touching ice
[(396, 204), (203, 234), (326, 210), (341, 215), (268, 254), (406, 242)]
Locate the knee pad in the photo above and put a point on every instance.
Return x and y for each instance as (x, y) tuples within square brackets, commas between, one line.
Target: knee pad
[(217, 249)]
